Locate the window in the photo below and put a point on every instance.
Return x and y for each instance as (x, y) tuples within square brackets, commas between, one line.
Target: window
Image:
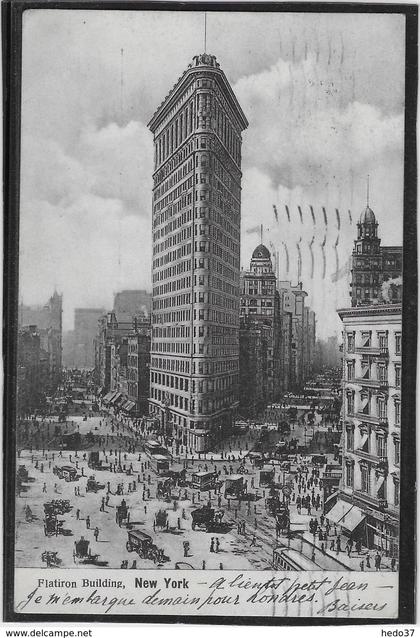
[(349, 474), (383, 341), (350, 341), (396, 492), (397, 376), (396, 451), (397, 405), (364, 479), (350, 370), (398, 343), (366, 339), (350, 438), (382, 408), (381, 447), (382, 373), (365, 403), (365, 369), (350, 403)]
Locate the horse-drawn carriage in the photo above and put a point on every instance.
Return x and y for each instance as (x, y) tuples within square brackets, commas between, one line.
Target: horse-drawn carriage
[(95, 463), (22, 474), (235, 486), (161, 519), (280, 511), (143, 545), (58, 506), (51, 559), (82, 553), (282, 516), (66, 472), (121, 514), (207, 517), (92, 485), (52, 526)]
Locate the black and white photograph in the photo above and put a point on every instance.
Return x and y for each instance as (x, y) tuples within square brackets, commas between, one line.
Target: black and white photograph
[(209, 313)]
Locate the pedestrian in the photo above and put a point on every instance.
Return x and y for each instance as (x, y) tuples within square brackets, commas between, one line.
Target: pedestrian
[(96, 533), (218, 545), (212, 545), (77, 514), (368, 561), (362, 566), (44, 489), (393, 563), (378, 561), (88, 522)]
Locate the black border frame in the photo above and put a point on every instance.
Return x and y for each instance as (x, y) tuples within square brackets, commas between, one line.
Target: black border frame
[(12, 13)]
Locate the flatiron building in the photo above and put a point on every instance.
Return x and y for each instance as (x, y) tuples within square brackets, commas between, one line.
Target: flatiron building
[(196, 256)]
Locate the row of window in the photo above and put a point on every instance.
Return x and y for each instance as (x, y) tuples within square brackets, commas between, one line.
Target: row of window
[(366, 483), (172, 271), (172, 286), (171, 364), (173, 224), (173, 255), (173, 179), (365, 406), (171, 317), (367, 371), (365, 340), (373, 445), (170, 381), (174, 347), (176, 133), (200, 367)]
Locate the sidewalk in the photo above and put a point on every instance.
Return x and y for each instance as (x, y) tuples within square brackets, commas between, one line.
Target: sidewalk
[(353, 561)]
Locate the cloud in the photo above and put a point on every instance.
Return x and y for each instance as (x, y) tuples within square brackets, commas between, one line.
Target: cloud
[(323, 96), (88, 249)]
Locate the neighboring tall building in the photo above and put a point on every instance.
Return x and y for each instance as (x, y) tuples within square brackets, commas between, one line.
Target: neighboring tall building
[(369, 498), (196, 250), (138, 367), (132, 303), (260, 305), (373, 264), (85, 329), (303, 332), (49, 324), (110, 334), (32, 371), (254, 340)]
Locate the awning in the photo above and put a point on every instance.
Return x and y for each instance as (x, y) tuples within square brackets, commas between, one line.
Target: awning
[(353, 518), (116, 396), (379, 483), (339, 510), (108, 397), (130, 405), (363, 441), (120, 399)]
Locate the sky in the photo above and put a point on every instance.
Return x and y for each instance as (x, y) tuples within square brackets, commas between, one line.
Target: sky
[(324, 97)]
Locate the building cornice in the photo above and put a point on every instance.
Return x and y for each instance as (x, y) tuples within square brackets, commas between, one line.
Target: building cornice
[(367, 311), (178, 90)]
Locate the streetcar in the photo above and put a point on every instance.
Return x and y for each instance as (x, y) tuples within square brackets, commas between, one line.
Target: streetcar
[(288, 559), (203, 480), (159, 463), (152, 448)]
